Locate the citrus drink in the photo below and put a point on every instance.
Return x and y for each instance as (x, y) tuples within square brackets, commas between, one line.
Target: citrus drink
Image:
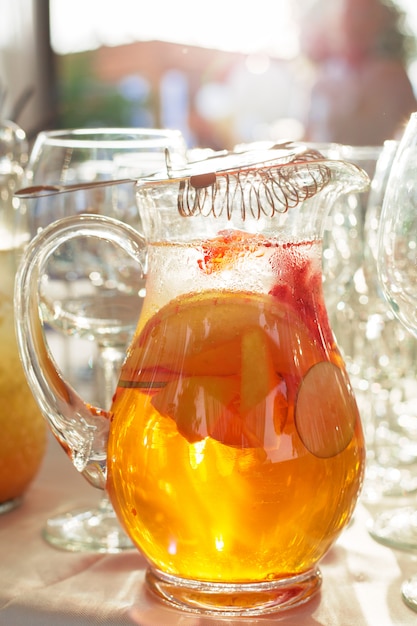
[(235, 450)]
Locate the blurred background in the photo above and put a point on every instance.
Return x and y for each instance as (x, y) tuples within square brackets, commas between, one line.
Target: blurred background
[(223, 72)]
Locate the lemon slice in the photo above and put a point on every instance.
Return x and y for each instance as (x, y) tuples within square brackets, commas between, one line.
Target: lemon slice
[(325, 410), (200, 335)]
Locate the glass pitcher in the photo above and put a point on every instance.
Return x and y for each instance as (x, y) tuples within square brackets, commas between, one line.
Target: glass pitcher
[(233, 452), (23, 433)]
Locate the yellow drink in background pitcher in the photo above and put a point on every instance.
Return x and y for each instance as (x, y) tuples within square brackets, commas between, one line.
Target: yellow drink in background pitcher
[(22, 427)]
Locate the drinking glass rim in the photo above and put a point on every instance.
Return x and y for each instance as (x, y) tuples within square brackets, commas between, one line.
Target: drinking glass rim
[(110, 137)]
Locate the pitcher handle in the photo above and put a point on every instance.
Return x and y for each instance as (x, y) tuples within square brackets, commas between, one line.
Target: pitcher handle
[(81, 429)]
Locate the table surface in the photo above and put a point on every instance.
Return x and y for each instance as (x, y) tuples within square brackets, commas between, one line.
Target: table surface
[(41, 585)]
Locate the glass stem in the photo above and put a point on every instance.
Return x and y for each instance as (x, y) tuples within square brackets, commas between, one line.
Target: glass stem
[(109, 363)]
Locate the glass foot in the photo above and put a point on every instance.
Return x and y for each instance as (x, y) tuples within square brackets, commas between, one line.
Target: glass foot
[(409, 592), (396, 528), (233, 600), (9, 505), (87, 530)]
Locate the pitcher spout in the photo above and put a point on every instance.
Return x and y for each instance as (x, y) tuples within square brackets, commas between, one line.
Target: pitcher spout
[(286, 191)]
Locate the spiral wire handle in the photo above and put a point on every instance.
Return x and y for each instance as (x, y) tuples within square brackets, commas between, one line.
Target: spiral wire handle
[(258, 189), (278, 177)]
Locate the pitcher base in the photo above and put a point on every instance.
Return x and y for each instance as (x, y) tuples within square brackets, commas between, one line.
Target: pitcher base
[(245, 599)]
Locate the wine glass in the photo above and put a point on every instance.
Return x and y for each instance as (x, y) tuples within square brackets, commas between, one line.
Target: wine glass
[(88, 293), (377, 349), (390, 357), (343, 260), (397, 269)]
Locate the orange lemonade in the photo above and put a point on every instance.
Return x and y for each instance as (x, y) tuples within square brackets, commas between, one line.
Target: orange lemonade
[(236, 451)]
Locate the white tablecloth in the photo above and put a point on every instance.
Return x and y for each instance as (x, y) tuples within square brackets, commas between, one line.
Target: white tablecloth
[(43, 586)]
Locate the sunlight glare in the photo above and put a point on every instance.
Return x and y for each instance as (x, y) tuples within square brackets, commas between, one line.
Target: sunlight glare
[(267, 27)]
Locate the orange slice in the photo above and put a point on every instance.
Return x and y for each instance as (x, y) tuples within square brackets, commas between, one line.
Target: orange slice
[(201, 334), (200, 406), (325, 411), (222, 360)]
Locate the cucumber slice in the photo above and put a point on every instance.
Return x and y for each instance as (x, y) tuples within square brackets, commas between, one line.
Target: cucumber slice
[(325, 410)]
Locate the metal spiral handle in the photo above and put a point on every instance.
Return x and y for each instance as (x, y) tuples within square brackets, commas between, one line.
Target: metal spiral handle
[(255, 190)]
